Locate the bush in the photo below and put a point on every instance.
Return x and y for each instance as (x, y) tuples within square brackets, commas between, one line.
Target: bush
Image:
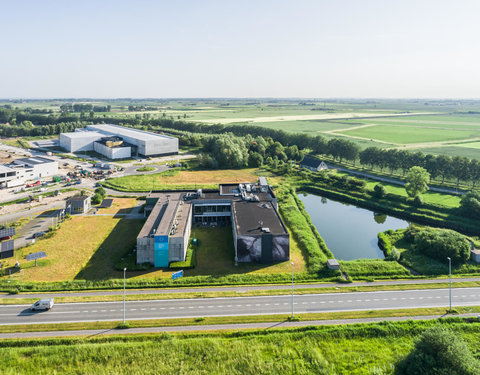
[(443, 243), (439, 351), (394, 255), (470, 204), (379, 191), (418, 201), (189, 262), (97, 199)]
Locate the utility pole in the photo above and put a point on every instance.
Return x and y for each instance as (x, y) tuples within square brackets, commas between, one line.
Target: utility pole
[(292, 289), (124, 272), (450, 273)]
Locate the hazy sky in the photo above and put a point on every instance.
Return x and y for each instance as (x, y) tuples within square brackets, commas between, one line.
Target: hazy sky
[(336, 48)]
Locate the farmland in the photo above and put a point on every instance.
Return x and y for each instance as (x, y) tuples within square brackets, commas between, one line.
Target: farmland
[(429, 126)]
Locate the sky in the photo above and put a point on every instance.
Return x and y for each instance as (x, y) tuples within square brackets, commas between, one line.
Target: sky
[(226, 48)]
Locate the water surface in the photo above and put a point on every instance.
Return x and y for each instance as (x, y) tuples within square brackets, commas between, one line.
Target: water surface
[(350, 232)]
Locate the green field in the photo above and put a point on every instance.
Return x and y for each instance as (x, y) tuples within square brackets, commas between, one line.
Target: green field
[(347, 350), (474, 145), (409, 134)]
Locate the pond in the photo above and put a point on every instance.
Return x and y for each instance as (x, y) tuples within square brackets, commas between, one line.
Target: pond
[(350, 232)]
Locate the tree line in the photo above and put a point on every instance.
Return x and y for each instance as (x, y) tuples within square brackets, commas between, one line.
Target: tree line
[(76, 107), (441, 166)]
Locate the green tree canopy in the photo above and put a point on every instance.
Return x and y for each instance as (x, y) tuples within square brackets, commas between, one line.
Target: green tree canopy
[(439, 351), (470, 204), (417, 179)]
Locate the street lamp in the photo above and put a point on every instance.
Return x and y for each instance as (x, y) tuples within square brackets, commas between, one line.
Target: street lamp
[(292, 288), (124, 272), (450, 273)]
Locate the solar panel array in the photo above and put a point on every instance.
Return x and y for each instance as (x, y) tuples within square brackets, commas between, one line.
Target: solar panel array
[(7, 232), (7, 246), (6, 250), (38, 255)]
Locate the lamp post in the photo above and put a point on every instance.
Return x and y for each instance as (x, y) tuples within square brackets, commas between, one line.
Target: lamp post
[(450, 275), (124, 272), (292, 289)]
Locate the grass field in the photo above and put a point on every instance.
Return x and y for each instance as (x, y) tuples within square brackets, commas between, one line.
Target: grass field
[(208, 179), (353, 350), (447, 200), (85, 247), (410, 134), (474, 145), (216, 256)]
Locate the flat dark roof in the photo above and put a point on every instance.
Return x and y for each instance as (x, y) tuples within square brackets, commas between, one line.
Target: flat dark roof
[(248, 216), (78, 198)]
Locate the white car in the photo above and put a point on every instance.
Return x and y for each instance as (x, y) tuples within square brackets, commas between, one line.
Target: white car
[(43, 304)]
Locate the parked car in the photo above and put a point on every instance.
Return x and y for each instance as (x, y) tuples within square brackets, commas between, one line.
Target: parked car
[(43, 304), (78, 182), (38, 234)]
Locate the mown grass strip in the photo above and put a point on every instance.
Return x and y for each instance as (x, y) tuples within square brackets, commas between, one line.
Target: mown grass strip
[(250, 293)]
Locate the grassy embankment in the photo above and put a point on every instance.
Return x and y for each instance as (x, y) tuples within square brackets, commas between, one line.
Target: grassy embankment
[(355, 349)]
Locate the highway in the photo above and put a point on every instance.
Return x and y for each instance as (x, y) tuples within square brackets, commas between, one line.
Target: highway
[(262, 305)]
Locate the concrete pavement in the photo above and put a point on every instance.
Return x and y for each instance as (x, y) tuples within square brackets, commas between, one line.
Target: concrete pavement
[(238, 306)]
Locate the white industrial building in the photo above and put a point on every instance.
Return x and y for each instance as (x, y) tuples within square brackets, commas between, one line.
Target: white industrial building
[(118, 142), (25, 169)]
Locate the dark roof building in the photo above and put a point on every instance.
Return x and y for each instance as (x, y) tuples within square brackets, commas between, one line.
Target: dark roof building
[(313, 164), (78, 204), (250, 209)]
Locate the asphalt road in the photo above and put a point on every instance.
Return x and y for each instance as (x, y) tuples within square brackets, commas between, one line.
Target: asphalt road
[(264, 305)]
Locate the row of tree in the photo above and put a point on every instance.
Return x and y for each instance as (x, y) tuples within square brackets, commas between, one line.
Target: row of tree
[(26, 129), (441, 166), (77, 107)]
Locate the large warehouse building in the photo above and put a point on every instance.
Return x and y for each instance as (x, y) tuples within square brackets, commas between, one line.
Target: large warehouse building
[(118, 142), (251, 209)]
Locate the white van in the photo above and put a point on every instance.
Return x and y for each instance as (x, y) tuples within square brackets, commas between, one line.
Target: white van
[(43, 304)]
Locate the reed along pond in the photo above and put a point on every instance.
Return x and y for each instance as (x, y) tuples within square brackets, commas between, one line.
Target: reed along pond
[(350, 232)]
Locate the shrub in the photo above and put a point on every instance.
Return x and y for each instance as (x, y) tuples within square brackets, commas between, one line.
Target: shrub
[(418, 201), (125, 325), (379, 191), (394, 255), (439, 351), (443, 243), (470, 204), (97, 199)]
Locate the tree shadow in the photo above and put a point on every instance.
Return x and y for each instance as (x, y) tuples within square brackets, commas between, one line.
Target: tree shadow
[(120, 241)]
